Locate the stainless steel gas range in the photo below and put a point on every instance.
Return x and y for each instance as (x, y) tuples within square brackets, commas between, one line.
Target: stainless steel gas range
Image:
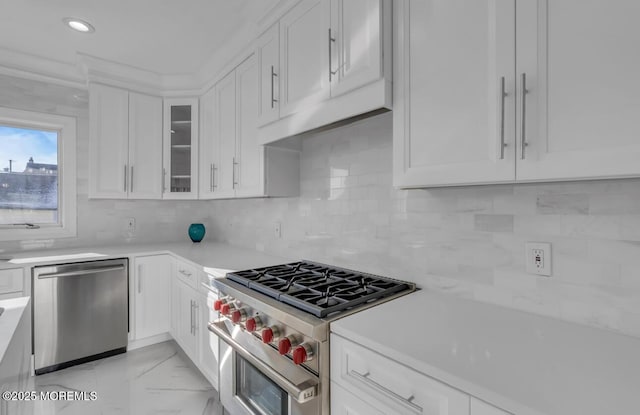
[(273, 328)]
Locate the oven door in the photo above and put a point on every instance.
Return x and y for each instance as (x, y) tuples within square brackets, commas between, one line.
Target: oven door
[(250, 385)]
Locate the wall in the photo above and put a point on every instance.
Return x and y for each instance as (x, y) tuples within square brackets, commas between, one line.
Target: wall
[(99, 221), (465, 241)]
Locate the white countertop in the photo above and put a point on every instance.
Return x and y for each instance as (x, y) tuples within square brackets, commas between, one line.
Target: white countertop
[(211, 256), (9, 319), (521, 362)]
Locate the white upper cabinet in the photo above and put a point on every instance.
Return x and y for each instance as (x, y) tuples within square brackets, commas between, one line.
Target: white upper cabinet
[(454, 92), (125, 144), (332, 65), (108, 142), (145, 146), (224, 137), (235, 164), (487, 92), (249, 158), (180, 164), (580, 62), (356, 44), (268, 55), (304, 56)]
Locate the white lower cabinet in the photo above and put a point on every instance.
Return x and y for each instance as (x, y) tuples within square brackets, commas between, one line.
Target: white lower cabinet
[(365, 382), (344, 402), (208, 362), (390, 387), (151, 285), (185, 308), (11, 282)]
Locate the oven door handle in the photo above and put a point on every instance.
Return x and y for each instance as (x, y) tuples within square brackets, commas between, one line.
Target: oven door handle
[(302, 393)]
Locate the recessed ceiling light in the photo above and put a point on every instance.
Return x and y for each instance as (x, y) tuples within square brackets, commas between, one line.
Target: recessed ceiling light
[(79, 25)]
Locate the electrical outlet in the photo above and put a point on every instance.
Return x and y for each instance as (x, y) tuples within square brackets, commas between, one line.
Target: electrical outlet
[(277, 229), (131, 225), (538, 258)]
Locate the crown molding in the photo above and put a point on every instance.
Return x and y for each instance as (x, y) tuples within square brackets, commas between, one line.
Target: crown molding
[(36, 68)]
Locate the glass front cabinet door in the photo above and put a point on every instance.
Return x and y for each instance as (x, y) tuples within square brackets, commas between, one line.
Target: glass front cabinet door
[(180, 148)]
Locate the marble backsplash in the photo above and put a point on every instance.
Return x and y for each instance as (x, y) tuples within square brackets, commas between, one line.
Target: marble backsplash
[(468, 241)]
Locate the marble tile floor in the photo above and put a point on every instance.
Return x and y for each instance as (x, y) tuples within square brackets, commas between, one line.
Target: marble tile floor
[(157, 379)]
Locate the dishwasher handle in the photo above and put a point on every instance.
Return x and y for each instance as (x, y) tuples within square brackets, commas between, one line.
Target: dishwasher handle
[(81, 272)]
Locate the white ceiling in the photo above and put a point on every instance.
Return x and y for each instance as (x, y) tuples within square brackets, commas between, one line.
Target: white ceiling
[(167, 37)]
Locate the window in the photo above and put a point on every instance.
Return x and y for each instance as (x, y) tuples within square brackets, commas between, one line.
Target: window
[(37, 175)]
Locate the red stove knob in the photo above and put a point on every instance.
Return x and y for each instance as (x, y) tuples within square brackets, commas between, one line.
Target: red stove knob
[(284, 345), (269, 334), (253, 323), (227, 308), (238, 316), (217, 305), (302, 353)]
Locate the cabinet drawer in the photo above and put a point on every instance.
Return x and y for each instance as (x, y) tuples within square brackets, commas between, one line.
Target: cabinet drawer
[(344, 402), (188, 273), (11, 280), (382, 380)]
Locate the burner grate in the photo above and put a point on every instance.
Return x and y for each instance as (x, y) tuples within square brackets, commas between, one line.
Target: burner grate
[(317, 288)]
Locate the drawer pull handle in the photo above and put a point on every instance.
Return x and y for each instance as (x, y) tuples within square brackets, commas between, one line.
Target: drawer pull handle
[(407, 402)]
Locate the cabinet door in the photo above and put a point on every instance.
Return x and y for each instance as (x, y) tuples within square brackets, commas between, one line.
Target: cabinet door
[(145, 146), (580, 113), (224, 137), (108, 142), (208, 341), (249, 154), (450, 117), (356, 26), (268, 56), (209, 162), (304, 56), (188, 321), (180, 148), (152, 282)]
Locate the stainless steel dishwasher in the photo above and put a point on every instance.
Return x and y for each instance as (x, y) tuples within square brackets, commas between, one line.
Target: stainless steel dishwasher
[(80, 312)]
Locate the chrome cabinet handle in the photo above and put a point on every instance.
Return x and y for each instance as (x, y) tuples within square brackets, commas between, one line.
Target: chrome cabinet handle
[(211, 179), (191, 316), (331, 40), (164, 176), (273, 75), (214, 177), (503, 95), (125, 178), (185, 273), (523, 132), (131, 180), (235, 182), (139, 279), (388, 393)]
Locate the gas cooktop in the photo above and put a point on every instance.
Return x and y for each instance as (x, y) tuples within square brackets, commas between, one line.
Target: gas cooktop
[(317, 288)]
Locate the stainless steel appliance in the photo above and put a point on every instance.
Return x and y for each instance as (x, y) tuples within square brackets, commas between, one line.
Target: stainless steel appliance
[(274, 333), (80, 312)]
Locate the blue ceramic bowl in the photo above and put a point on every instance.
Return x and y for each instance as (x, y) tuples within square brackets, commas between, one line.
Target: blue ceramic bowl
[(196, 232)]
